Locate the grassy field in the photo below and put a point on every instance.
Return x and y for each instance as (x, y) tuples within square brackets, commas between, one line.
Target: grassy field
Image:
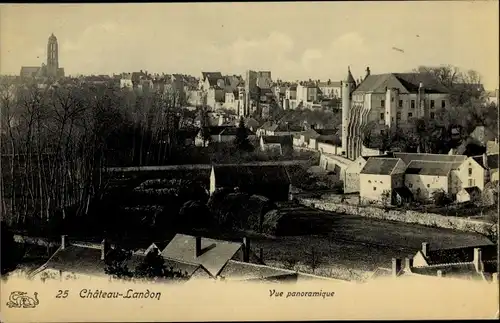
[(349, 246)]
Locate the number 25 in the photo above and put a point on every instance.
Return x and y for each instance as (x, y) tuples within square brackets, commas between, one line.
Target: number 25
[(62, 294)]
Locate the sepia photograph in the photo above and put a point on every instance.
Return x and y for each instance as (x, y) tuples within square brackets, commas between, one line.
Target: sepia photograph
[(249, 161)]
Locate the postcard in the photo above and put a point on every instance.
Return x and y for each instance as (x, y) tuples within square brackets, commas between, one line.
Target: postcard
[(249, 161)]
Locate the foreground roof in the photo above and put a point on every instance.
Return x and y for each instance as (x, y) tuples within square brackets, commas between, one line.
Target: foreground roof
[(215, 253)]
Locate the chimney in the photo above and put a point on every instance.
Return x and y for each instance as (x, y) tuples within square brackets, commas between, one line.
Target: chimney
[(104, 248), (367, 72), (408, 263), (197, 249), (440, 273), (246, 249), (425, 248), (64, 241), (396, 267), (478, 260)]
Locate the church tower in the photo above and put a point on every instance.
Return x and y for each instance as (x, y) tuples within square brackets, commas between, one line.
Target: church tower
[(52, 57), (348, 85)]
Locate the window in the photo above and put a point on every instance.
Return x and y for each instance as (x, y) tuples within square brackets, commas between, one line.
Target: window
[(443, 104), (410, 115), (470, 171), (381, 132), (432, 104), (369, 181), (410, 185), (374, 188), (432, 115), (382, 103), (381, 116), (413, 104), (400, 103), (471, 182), (428, 185), (398, 116)]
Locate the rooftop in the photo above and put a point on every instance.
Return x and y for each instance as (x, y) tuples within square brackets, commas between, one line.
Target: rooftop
[(215, 253), (430, 168), (380, 166), (405, 82), (409, 157), (460, 255)]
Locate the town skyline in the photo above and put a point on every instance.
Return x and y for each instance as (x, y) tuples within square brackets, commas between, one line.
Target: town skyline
[(259, 36)]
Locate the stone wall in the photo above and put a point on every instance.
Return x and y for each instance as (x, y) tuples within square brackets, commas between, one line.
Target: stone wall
[(408, 216)]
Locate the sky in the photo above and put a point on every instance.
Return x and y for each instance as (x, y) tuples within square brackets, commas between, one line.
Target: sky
[(294, 40)]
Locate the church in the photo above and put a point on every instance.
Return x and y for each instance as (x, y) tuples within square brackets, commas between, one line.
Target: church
[(51, 69)]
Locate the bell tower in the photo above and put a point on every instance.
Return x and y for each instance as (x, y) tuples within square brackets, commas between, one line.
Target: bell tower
[(52, 56)]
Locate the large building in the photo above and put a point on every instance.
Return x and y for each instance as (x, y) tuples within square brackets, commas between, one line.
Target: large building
[(49, 70), (387, 100)]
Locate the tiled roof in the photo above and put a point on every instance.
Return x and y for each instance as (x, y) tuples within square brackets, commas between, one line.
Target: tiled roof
[(430, 168), (492, 161), (269, 126), (232, 131), (215, 253), (236, 270), (212, 77), (408, 157), (472, 190), (462, 271), (29, 70), (251, 123), (380, 166), (326, 132), (460, 255), (216, 130), (283, 140), (329, 84), (288, 127), (405, 82)]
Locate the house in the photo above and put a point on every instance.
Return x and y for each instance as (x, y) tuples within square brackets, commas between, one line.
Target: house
[(424, 178), (213, 133), (483, 135), (492, 97), (455, 161), (492, 166), (186, 136), (351, 177), (469, 194), (379, 177), (212, 255), (389, 100), (251, 124), (492, 147), (473, 172), (490, 194), (280, 144), (269, 181), (472, 267), (82, 260), (228, 134), (478, 262), (330, 90), (325, 136)]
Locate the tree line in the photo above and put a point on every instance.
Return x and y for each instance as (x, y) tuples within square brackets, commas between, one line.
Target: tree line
[(56, 139)]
